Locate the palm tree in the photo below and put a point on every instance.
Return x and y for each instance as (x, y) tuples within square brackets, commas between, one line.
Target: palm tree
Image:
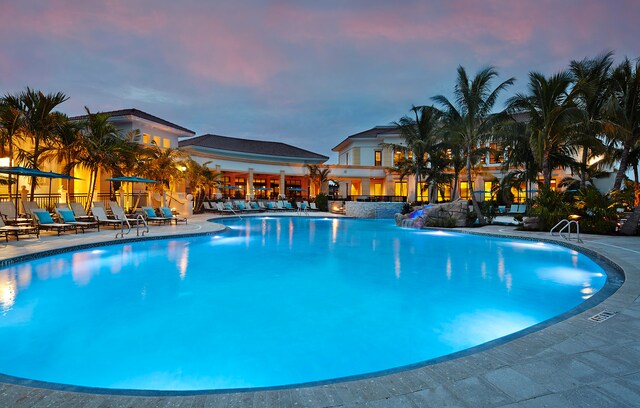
[(470, 116), (319, 176), (41, 124), (551, 114), (163, 165), (67, 145), (623, 124), (11, 123), (623, 112), (591, 78), (103, 148), (200, 180), (420, 135)]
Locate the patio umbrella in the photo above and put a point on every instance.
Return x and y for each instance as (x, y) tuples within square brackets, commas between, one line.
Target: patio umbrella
[(132, 179), (25, 171), (296, 189), (262, 188)]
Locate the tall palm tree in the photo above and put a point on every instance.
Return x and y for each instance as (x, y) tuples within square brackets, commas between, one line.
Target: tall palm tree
[(41, 124), (67, 145), (551, 114), (591, 79), (103, 148), (470, 115), (623, 112), (11, 122), (163, 165), (200, 180), (420, 135)]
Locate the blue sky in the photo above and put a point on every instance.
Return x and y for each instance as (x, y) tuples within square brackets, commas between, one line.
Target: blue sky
[(307, 73)]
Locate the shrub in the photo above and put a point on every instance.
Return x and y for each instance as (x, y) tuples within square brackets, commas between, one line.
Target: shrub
[(322, 202), (550, 207), (597, 211)]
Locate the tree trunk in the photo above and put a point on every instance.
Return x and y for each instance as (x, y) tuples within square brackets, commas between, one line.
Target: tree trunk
[(454, 193), (546, 171), (630, 226), (583, 168), (476, 207), (624, 161), (636, 186)]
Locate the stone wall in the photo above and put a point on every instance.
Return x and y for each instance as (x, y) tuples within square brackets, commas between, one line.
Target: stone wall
[(363, 209)]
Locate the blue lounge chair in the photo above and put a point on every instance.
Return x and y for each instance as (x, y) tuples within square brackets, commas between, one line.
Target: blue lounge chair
[(45, 222), (67, 217)]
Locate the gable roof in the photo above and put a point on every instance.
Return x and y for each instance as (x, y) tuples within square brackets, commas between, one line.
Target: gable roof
[(367, 134), (261, 147), (140, 114)]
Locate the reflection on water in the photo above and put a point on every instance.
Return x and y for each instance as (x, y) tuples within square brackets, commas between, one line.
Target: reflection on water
[(274, 293)]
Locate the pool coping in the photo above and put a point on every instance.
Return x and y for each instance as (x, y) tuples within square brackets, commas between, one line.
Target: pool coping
[(372, 378)]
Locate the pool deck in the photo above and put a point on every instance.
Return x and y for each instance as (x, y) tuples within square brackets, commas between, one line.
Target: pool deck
[(574, 363)]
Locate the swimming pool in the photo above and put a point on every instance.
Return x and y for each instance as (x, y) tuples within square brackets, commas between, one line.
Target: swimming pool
[(276, 301)]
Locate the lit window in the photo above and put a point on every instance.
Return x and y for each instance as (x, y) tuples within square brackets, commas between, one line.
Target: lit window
[(146, 138), (401, 188), (166, 143), (464, 190), (157, 141), (423, 192), (444, 192), (378, 158)]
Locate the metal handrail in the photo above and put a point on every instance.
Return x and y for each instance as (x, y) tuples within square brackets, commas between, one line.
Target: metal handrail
[(559, 224), (140, 218), (566, 227)]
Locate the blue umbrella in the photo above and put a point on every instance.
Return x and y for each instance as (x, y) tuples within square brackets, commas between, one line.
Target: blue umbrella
[(132, 179), (25, 171)]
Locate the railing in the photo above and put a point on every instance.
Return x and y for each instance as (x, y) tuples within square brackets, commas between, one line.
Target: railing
[(375, 198), (51, 201), (565, 226)]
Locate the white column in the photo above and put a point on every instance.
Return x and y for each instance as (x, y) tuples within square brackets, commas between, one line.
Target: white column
[(250, 189), (283, 192)]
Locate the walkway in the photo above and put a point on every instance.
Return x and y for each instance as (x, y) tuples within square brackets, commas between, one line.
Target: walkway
[(574, 363)]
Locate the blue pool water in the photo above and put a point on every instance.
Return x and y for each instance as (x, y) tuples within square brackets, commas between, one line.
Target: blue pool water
[(276, 301)]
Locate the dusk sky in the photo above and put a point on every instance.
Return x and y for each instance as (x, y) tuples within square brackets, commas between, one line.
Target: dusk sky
[(307, 73)]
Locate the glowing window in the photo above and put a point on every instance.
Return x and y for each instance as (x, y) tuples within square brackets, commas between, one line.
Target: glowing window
[(377, 158), (146, 138), (166, 143)]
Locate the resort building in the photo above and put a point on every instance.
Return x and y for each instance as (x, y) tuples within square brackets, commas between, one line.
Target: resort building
[(365, 171), (254, 168), (251, 168)]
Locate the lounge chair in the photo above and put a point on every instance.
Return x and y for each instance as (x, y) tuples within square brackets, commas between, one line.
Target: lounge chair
[(151, 216), (17, 230), (166, 212), (30, 207), (209, 207), (11, 215), (44, 221), (287, 206), (302, 208), (312, 207), (102, 218), (502, 209), (119, 213), (226, 208), (67, 217), (79, 213)]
